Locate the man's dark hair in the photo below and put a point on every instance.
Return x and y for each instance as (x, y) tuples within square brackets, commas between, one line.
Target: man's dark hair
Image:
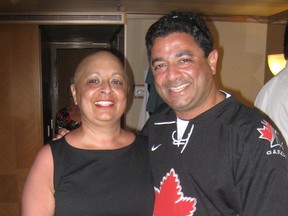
[(181, 22), (286, 42)]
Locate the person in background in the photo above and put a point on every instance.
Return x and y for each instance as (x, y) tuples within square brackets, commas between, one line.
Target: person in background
[(98, 168), (272, 98), (68, 117), (210, 154)]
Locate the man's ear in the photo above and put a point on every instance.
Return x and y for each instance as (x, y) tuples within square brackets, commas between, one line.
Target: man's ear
[(212, 60), (73, 91)]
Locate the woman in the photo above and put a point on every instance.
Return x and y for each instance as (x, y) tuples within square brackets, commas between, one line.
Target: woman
[(99, 168)]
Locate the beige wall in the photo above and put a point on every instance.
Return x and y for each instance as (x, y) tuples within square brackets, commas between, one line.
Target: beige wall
[(137, 60), (242, 48)]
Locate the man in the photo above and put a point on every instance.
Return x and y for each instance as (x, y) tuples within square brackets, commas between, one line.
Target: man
[(272, 98), (210, 154)]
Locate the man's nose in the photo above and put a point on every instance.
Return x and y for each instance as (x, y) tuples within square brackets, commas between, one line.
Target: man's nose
[(172, 72)]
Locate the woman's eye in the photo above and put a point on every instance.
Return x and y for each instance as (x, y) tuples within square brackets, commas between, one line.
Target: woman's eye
[(94, 81), (117, 82)]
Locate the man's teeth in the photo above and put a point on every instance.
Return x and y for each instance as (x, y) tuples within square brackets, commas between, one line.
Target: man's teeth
[(178, 88), (103, 103)]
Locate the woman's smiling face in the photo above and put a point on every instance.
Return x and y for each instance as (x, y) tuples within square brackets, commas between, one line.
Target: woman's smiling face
[(101, 88)]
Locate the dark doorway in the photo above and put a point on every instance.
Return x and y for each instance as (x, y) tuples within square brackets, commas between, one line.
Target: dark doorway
[(63, 47)]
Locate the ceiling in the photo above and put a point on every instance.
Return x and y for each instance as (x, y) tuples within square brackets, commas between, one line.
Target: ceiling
[(257, 9), (207, 7), (80, 34)]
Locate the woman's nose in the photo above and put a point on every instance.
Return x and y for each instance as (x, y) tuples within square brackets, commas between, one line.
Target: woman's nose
[(106, 88)]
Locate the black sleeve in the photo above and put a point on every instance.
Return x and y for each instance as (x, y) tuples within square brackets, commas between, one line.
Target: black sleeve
[(262, 175)]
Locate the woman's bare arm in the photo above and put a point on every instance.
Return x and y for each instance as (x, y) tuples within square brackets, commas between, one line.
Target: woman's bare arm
[(38, 192)]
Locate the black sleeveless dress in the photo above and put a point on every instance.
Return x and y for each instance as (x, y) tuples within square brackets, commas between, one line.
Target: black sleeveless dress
[(102, 182)]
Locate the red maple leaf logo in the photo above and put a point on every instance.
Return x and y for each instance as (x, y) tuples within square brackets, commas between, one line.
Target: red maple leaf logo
[(169, 199), (267, 132)]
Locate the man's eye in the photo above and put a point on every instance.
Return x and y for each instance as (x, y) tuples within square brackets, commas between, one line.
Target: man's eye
[(186, 60), (159, 66)]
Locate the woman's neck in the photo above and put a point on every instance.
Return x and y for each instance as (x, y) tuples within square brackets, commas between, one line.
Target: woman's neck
[(102, 138)]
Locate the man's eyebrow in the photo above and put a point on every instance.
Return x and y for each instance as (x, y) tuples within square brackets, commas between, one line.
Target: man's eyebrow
[(177, 55), (157, 59), (189, 53)]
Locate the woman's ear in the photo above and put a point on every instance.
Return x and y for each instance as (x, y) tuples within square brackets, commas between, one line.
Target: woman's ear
[(212, 60), (73, 91)]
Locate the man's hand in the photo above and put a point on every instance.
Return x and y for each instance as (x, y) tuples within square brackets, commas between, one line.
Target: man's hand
[(61, 132)]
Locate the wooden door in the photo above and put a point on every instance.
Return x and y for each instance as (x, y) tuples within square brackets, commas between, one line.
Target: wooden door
[(20, 110)]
